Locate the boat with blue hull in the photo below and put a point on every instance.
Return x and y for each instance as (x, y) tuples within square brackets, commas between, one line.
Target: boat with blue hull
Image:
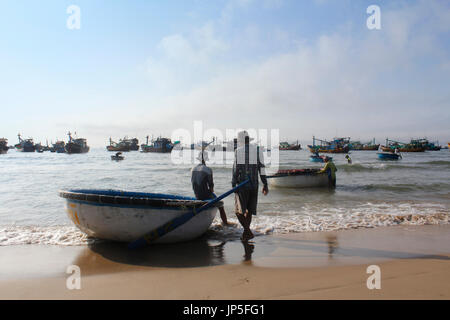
[(388, 156), (317, 158), (127, 216), (160, 145), (25, 145)]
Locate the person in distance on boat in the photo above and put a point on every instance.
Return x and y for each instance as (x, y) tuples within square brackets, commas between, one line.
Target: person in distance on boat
[(330, 169), (248, 164), (203, 183)]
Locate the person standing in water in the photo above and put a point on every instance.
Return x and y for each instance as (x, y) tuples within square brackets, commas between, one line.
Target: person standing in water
[(330, 169), (203, 183), (248, 164), (349, 160)]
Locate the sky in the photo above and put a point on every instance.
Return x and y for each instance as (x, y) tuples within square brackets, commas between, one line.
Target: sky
[(306, 68)]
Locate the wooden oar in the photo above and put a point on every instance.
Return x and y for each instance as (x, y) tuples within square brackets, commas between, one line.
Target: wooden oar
[(175, 223)]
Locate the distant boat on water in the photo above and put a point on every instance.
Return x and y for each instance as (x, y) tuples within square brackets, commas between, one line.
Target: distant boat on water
[(337, 145), (369, 146), (286, 146), (413, 146), (26, 145), (58, 147), (3, 145), (124, 145), (160, 145), (76, 145)]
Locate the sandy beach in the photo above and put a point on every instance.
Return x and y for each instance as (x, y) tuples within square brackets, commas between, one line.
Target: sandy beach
[(414, 262)]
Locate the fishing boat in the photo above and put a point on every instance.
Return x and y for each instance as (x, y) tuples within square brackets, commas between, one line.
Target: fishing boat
[(76, 145), (388, 156), (58, 147), (124, 145), (299, 178), (369, 146), (429, 146), (413, 146), (286, 146), (117, 157), (25, 145), (3, 145), (337, 145), (317, 158), (160, 145), (127, 216)]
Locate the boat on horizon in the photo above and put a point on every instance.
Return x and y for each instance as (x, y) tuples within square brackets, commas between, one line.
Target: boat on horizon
[(299, 178), (3, 146), (58, 147), (413, 146), (25, 145), (124, 145), (160, 145), (286, 146), (127, 216), (337, 145), (368, 146), (75, 146)]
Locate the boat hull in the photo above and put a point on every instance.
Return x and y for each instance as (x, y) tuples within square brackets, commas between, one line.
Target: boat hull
[(75, 148), (388, 156), (126, 223), (318, 180), (313, 149)]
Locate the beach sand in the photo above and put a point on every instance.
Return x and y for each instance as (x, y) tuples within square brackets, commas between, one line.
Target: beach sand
[(414, 262)]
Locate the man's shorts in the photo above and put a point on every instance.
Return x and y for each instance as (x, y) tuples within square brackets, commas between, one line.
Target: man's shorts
[(246, 200)]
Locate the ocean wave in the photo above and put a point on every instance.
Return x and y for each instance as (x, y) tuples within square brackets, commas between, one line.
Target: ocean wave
[(374, 167), (308, 219), (54, 235)]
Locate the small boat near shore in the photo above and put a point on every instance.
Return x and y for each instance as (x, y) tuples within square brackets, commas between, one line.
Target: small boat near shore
[(316, 158), (299, 178), (127, 216), (3, 146), (117, 157), (388, 156)]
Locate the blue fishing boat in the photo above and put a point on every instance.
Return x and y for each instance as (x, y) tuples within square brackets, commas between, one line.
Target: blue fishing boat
[(317, 158), (388, 156)]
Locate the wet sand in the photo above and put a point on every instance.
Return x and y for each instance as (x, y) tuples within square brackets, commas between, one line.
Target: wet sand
[(414, 263)]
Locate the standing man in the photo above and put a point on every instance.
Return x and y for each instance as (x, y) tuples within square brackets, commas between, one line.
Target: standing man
[(248, 164), (203, 184), (330, 169)]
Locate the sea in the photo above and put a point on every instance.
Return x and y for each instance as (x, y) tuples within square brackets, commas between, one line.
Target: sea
[(370, 193)]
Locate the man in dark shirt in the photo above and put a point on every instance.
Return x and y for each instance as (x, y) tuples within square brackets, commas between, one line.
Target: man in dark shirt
[(203, 183), (248, 164)]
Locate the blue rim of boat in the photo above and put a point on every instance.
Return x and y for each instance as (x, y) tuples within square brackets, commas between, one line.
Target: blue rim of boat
[(119, 198)]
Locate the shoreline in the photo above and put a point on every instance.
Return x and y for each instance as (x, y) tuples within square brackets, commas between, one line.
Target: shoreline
[(414, 262)]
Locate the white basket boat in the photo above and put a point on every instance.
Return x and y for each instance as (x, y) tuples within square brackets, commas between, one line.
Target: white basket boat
[(299, 178), (127, 216)]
